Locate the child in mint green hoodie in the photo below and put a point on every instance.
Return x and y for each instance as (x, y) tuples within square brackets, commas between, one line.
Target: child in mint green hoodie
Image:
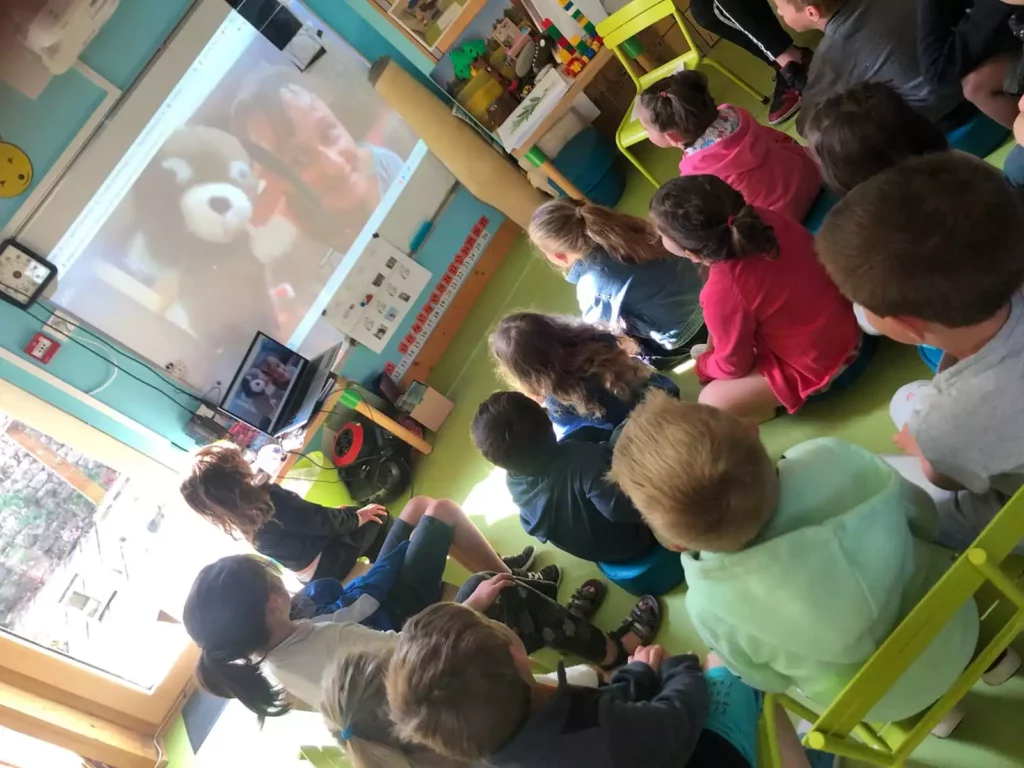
[(797, 572)]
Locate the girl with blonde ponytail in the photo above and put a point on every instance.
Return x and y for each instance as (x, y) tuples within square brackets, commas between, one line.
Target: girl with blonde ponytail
[(355, 710), (624, 278), (779, 329)]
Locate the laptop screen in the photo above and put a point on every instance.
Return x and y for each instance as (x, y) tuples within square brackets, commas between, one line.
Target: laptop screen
[(266, 378)]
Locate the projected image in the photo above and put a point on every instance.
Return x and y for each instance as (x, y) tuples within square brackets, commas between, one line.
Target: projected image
[(259, 180)]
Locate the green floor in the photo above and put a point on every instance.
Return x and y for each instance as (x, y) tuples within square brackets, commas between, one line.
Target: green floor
[(990, 736)]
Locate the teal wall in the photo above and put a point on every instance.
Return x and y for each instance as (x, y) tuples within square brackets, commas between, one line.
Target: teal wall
[(44, 127)]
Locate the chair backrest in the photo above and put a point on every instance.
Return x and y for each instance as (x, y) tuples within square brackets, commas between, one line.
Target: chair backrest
[(985, 565), (632, 19)]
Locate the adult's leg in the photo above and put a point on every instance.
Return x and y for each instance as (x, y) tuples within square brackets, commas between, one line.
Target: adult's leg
[(750, 24), (984, 88), (749, 397)]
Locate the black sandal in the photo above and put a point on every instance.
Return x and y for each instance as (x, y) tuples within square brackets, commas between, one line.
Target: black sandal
[(587, 599), (643, 621)]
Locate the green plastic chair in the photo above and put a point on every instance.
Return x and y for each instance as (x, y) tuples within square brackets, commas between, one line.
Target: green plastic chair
[(988, 573), (619, 29)]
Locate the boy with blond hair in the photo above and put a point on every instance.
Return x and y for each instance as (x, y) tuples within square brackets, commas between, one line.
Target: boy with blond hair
[(461, 685), (797, 570), (869, 41), (932, 249)]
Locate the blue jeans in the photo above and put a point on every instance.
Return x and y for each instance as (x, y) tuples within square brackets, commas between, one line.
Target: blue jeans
[(1013, 168)]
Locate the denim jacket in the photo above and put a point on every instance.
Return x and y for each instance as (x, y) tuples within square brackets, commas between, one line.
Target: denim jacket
[(657, 300)]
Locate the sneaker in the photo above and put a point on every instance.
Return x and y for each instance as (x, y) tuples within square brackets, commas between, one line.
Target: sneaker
[(790, 82), (549, 573), (949, 723), (522, 561), (786, 99), (1003, 668)]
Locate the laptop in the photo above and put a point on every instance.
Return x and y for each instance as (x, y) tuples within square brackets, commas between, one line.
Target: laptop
[(276, 390)]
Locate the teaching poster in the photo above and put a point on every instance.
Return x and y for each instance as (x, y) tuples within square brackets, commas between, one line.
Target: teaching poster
[(377, 294)]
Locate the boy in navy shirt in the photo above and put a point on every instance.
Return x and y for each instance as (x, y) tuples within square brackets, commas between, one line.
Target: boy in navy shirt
[(560, 487)]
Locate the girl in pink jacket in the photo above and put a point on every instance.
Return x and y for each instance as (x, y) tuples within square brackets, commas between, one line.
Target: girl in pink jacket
[(766, 166), (779, 329)]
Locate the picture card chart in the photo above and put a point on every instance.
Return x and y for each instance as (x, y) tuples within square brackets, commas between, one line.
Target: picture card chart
[(437, 302), (376, 295)]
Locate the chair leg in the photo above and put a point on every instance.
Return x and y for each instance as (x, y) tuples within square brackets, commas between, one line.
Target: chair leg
[(632, 158), (736, 79)]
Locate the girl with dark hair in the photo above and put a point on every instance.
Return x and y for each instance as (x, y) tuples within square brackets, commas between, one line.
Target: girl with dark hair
[(242, 617), (624, 278), (780, 330), (580, 373), (766, 166)]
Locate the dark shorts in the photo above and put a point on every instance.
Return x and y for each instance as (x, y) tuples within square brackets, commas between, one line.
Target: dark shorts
[(419, 580)]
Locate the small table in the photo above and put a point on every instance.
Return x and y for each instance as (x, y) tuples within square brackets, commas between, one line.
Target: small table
[(350, 398), (534, 154)]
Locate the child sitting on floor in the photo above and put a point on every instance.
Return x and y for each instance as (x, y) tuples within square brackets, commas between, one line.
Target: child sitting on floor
[(580, 373), (865, 41), (241, 617), (865, 130), (461, 685), (797, 571), (624, 279), (764, 165), (779, 329), (559, 487), (932, 250)]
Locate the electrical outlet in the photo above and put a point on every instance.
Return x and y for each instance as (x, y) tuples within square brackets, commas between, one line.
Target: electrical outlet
[(177, 369), (60, 326)]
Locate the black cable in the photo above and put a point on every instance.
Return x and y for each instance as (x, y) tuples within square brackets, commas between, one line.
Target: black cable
[(100, 340)]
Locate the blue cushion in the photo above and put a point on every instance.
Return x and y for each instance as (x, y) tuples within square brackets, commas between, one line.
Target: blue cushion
[(979, 136), (819, 208), (931, 356), (657, 572), (592, 163)]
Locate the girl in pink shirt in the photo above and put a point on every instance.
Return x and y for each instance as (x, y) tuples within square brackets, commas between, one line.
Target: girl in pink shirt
[(766, 166), (780, 330)]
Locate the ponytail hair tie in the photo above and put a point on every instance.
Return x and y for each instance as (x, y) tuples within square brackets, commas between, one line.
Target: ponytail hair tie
[(345, 734), (663, 94), (730, 221)]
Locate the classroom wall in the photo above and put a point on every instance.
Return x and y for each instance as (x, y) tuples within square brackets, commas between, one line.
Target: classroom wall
[(44, 127)]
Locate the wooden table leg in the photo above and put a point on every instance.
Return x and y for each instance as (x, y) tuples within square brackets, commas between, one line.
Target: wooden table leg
[(541, 162)]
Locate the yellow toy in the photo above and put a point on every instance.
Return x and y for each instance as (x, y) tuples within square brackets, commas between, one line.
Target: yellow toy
[(15, 170)]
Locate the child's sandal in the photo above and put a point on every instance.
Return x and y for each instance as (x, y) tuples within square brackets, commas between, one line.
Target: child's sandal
[(643, 621), (587, 599)]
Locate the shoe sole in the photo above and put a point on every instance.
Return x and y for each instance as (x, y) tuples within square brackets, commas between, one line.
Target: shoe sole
[(530, 561), (793, 110), (949, 723), (1004, 670)]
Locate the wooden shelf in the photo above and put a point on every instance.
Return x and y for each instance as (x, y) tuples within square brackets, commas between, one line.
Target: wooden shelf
[(457, 27), (583, 79)]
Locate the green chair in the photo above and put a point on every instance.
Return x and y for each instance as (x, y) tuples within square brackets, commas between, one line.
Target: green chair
[(986, 572), (618, 31)]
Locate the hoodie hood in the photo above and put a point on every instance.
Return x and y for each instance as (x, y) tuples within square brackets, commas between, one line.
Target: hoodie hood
[(830, 576)]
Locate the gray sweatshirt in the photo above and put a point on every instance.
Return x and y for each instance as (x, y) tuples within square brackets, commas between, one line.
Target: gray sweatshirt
[(875, 41)]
